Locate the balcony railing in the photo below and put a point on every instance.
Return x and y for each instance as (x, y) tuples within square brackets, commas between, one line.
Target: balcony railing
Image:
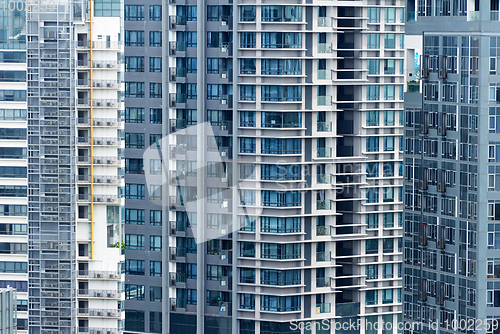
[(107, 198), (323, 256), (324, 152), (325, 22), (324, 100), (324, 74), (323, 308), (99, 274), (322, 282), (99, 312), (97, 330), (103, 160), (99, 293), (322, 230), (324, 178), (105, 64), (323, 205), (325, 48), (324, 126)]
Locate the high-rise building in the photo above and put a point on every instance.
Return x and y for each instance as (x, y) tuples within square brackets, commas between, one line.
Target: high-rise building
[(451, 167), (13, 162), (8, 314), (288, 206), (75, 169), (143, 127)]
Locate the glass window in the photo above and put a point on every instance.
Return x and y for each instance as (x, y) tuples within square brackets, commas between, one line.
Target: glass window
[(373, 92), (279, 40), (372, 169), (372, 195), (387, 297), (373, 14), (371, 297), (390, 41), (155, 12), (281, 93), (134, 64), (372, 144), (134, 292), (155, 293), (134, 89), (247, 66), (155, 243), (388, 270), (247, 275), (247, 301), (281, 146), (389, 118), (155, 192), (281, 13), (134, 191), (134, 166), (134, 13), (248, 40), (388, 194), (388, 219), (134, 216), (155, 116), (389, 92), (247, 92), (247, 249), (281, 66), (388, 144), (389, 66), (372, 220), (107, 8), (388, 168), (134, 267), (134, 38), (134, 241), (155, 268), (371, 271), (155, 217), (373, 66), (247, 13), (390, 15), (247, 145), (155, 90), (154, 64), (134, 140), (373, 41), (372, 118), (371, 246), (134, 115)]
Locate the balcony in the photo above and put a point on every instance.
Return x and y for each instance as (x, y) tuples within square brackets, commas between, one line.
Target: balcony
[(323, 230), (106, 122), (413, 87), (83, 121), (97, 330), (324, 126), (103, 160), (106, 141), (83, 198), (325, 22), (323, 282), (101, 313), (83, 102), (324, 205), (324, 100), (106, 83), (106, 179), (324, 178), (411, 16), (226, 99), (324, 152), (106, 64), (114, 294), (325, 48), (323, 256), (177, 124), (83, 178), (115, 199), (324, 74), (114, 275), (103, 103), (323, 308)]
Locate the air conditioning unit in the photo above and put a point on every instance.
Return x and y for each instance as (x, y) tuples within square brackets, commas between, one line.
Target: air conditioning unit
[(173, 126), (173, 280), (98, 104), (223, 101), (223, 178), (108, 123), (98, 180), (224, 204), (109, 161), (173, 301), (110, 295), (109, 180), (110, 314), (110, 200), (98, 275), (52, 34), (98, 161), (109, 142), (173, 253), (98, 84), (172, 47), (223, 75), (108, 84), (172, 100), (98, 199), (173, 227), (223, 231), (223, 153), (98, 332), (99, 142), (223, 308), (99, 313), (223, 127), (172, 74), (98, 123), (109, 104), (171, 22), (98, 65), (109, 65)]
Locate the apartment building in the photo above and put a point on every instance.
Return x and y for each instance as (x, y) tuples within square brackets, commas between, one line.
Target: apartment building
[(450, 242), (143, 128), (75, 104), (288, 207), (8, 304), (13, 165)]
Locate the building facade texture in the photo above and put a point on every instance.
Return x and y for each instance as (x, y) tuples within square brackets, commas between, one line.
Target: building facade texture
[(288, 206), (451, 194)]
